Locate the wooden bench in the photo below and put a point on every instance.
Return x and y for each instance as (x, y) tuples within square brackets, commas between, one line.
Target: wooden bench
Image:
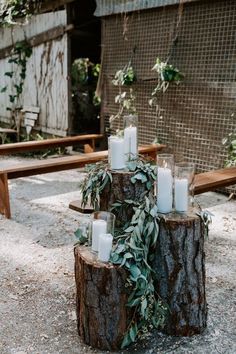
[(38, 145), (54, 165), (212, 180), (4, 132), (203, 182)]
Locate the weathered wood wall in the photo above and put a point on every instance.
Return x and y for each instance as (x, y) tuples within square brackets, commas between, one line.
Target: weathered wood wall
[(46, 83)]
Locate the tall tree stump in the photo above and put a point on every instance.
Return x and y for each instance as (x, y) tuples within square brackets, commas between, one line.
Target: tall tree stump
[(101, 299), (121, 188), (180, 269)]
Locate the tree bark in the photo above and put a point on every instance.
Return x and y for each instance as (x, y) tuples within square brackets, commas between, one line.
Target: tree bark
[(102, 315), (121, 189), (180, 269)]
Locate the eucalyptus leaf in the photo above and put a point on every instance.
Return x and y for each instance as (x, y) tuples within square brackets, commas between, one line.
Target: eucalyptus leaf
[(143, 306), (135, 271), (133, 302), (126, 341), (133, 332), (81, 237), (129, 229)]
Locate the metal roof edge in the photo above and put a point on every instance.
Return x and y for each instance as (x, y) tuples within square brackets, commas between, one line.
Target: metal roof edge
[(108, 7)]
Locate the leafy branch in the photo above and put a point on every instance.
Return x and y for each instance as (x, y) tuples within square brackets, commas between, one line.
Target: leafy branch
[(135, 252)]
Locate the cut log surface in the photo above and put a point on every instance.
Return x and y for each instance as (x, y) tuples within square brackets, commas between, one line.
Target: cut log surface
[(121, 189), (180, 268), (100, 300)]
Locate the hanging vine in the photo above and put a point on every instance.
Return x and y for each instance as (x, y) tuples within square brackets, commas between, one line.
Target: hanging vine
[(19, 58), (14, 11), (126, 100)]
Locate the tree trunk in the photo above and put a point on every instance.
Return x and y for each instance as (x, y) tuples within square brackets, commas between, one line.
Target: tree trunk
[(180, 269), (121, 189), (101, 300)]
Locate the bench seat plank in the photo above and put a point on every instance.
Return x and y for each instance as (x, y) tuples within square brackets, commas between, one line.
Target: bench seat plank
[(203, 182), (208, 181), (54, 165), (48, 143), (66, 162)]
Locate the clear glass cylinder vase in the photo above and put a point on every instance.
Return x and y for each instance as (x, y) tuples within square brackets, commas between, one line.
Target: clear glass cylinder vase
[(116, 154), (102, 222), (165, 171), (131, 137), (183, 185)]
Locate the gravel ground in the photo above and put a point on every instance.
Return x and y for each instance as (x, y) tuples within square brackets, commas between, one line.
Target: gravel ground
[(37, 289)]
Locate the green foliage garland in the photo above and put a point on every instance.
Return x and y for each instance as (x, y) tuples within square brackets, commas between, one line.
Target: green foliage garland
[(134, 245), (135, 242)]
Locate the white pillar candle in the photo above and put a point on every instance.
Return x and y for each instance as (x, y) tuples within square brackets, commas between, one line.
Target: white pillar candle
[(117, 155), (165, 190), (181, 194), (104, 247), (98, 227), (130, 142)]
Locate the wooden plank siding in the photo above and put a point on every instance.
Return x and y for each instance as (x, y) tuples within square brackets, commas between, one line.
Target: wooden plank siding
[(46, 83)]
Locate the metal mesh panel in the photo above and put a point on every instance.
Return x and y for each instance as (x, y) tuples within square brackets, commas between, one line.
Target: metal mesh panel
[(199, 112)]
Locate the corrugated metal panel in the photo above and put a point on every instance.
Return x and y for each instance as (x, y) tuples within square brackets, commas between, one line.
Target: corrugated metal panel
[(106, 7)]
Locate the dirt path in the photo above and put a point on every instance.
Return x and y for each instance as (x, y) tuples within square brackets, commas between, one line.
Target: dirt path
[(37, 292)]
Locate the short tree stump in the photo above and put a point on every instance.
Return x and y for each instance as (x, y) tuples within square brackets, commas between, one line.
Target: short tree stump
[(180, 269), (101, 299)]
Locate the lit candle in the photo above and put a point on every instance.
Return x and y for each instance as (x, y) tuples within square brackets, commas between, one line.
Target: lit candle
[(104, 247), (130, 142), (117, 155), (98, 227), (164, 187), (181, 194)]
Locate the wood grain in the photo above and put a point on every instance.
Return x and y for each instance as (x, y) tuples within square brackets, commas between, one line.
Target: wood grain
[(179, 266), (209, 181), (48, 143), (4, 196), (101, 300)]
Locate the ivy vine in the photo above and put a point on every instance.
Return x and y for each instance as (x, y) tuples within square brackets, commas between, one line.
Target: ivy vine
[(21, 54), (230, 144), (125, 99), (167, 74), (12, 11)]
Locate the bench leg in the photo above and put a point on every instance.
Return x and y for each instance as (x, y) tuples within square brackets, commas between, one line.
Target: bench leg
[(4, 196)]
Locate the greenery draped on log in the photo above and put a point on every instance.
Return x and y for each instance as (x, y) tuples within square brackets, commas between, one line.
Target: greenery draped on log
[(135, 243)]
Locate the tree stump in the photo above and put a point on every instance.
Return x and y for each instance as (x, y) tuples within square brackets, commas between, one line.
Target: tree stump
[(121, 189), (102, 315), (180, 269)]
